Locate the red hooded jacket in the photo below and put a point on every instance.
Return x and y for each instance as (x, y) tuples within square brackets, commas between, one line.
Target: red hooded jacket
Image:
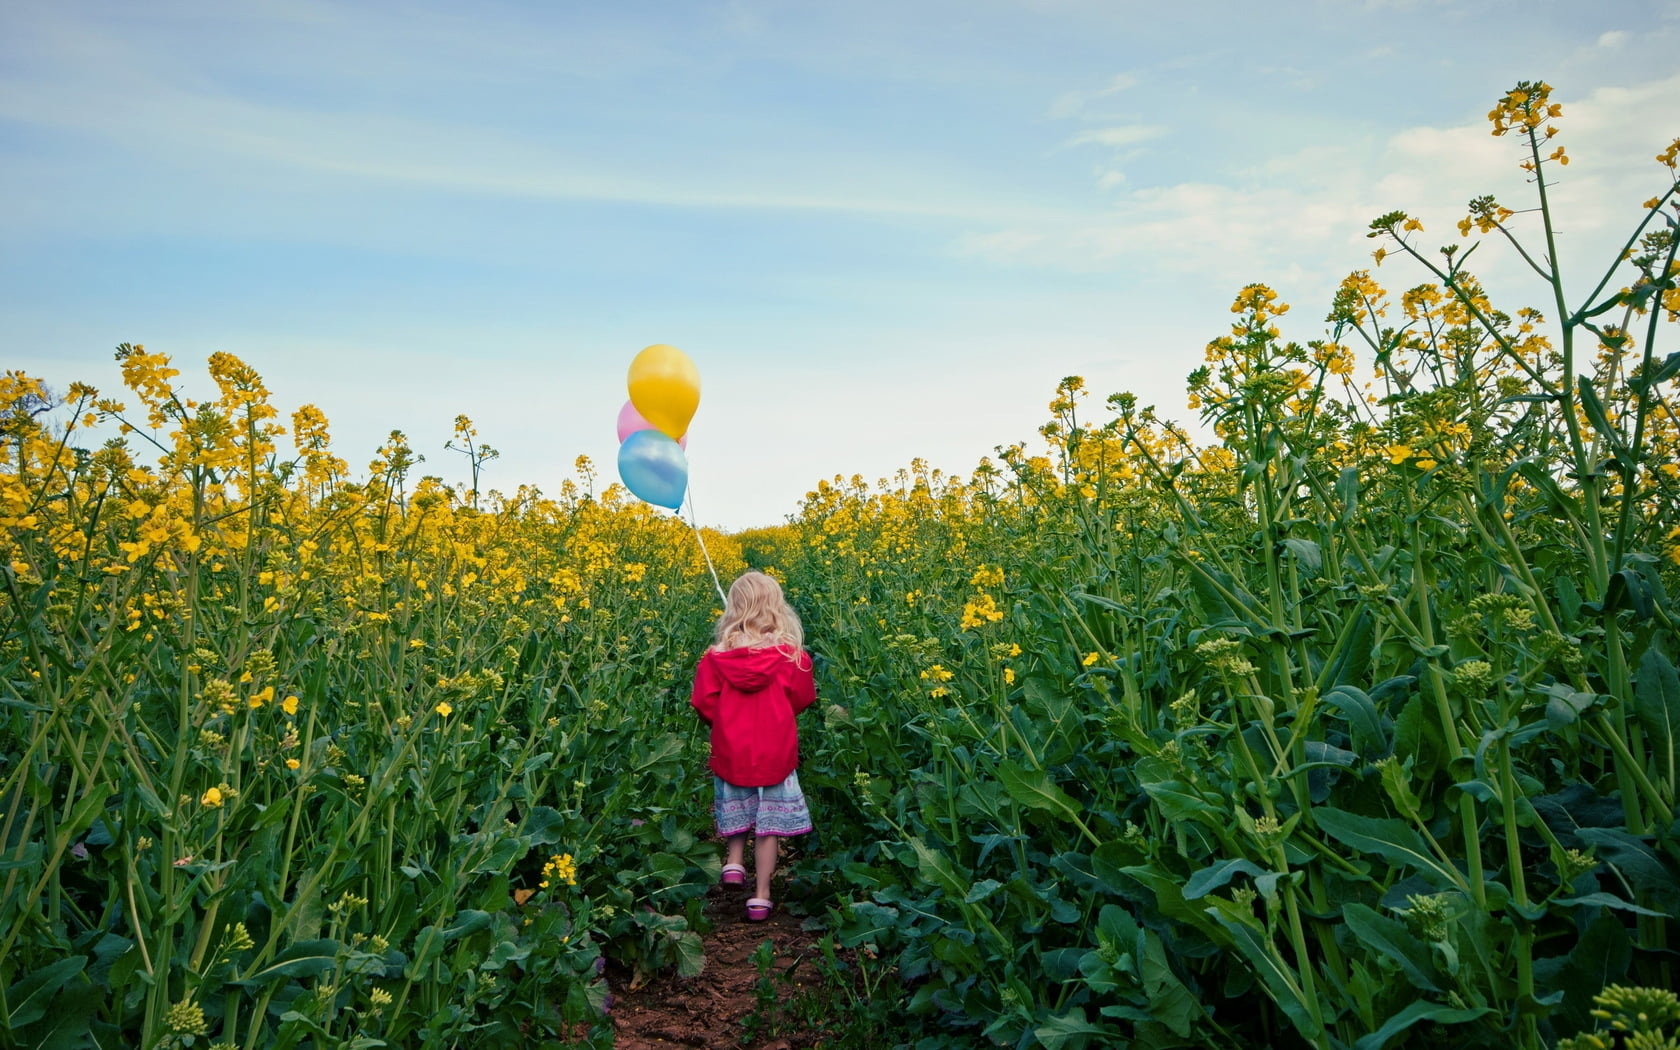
[(750, 697)]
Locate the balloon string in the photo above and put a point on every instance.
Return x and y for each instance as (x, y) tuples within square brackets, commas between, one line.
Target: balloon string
[(694, 520)]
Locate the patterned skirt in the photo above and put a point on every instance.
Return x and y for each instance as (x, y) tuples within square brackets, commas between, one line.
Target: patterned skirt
[(776, 810)]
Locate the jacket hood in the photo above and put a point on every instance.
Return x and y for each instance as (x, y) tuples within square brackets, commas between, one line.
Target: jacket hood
[(749, 670)]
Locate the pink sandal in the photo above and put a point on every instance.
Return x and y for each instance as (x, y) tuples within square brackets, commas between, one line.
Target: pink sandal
[(733, 875), (759, 909)]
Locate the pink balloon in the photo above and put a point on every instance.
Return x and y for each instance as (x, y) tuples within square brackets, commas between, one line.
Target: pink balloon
[(630, 421)]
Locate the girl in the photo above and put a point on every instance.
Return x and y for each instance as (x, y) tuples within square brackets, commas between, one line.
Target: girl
[(748, 687)]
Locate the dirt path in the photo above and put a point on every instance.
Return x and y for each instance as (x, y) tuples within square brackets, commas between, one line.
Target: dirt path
[(715, 1008)]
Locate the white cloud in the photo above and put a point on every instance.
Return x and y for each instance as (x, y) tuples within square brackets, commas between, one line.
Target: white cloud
[(1613, 38), (1315, 203), (1299, 79), (1118, 137), (1071, 103)]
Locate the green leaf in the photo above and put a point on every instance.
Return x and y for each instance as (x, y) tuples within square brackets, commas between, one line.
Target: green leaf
[(87, 810), (691, 953), (1418, 739), (1656, 690), (1565, 705), (1642, 867), (1605, 900), (1307, 553), (1422, 1010), (667, 748), (1275, 975), (28, 856), (300, 959), (1594, 409), (1537, 474), (504, 850), (69, 1021), (28, 999), (467, 921), (1568, 598), (1599, 958), (1366, 725), (667, 869), (1061, 964), (1170, 1002), (1076, 866), (1117, 924), (1210, 587), (1069, 1031), (981, 890), (1211, 878), (1097, 599), (107, 952), (1661, 374), (1179, 802), (1108, 866), (544, 826), (1627, 589), (1320, 755), (1390, 839), (1350, 661), (1034, 789), (936, 870), (1394, 941), (1347, 490), (1169, 897)]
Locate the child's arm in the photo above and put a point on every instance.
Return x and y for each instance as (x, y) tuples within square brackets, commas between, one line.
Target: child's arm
[(707, 686)]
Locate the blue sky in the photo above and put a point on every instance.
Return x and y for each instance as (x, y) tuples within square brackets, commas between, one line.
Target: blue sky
[(881, 230)]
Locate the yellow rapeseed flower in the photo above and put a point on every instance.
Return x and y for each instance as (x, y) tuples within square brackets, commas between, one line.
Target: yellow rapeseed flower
[(979, 611), (289, 705), (560, 867), (212, 797), (443, 709)]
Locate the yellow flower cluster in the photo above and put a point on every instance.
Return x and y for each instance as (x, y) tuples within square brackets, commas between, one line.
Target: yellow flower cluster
[(1526, 107), (559, 868)]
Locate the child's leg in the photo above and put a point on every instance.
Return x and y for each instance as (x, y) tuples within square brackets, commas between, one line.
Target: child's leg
[(765, 849), (735, 848)]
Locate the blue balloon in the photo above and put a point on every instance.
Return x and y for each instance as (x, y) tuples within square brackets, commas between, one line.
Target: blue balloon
[(654, 467)]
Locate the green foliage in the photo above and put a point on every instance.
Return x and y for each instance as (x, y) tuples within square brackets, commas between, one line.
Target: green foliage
[(331, 765), (1354, 728)]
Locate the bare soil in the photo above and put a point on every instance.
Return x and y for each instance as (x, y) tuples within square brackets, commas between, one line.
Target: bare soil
[(712, 1009)]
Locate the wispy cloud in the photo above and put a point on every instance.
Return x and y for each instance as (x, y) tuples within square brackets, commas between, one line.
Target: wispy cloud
[(1072, 103), (149, 112), (1118, 137), (1314, 203)]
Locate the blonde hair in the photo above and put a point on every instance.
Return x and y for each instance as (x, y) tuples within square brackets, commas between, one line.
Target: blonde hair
[(757, 615)]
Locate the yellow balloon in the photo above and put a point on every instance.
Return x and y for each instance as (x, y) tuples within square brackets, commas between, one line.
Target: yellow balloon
[(665, 388)]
